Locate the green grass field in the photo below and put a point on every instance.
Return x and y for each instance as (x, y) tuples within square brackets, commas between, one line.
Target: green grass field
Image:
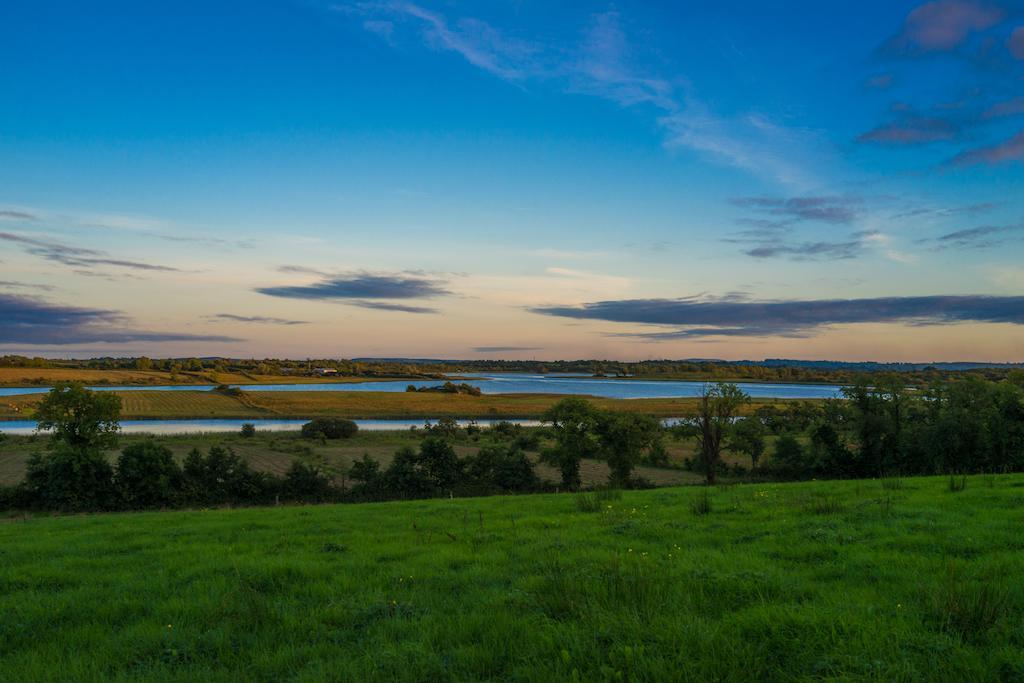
[(355, 405), (815, 581)]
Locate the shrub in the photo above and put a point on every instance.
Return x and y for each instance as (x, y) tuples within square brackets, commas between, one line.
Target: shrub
[(330, 428), (70, 479), (227, 390), (505, 468), (248, 430), (307, 483), (147, 476), (222, 477), (957, 484)]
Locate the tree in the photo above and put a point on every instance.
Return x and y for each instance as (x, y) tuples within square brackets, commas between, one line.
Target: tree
[(75, 474), (748, 438), (718, 407), (623, 438), (79, 418), (573, 421), (329, 428), (147, 476)]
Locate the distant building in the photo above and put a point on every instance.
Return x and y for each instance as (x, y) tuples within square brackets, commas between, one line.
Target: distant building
[(325, 371)]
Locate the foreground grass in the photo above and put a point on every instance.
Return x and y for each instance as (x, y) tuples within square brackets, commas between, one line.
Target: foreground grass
[(813, 581), (144, 405)]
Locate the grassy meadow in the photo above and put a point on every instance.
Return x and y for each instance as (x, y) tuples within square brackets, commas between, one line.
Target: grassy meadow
[(141, 405), (857, 580)]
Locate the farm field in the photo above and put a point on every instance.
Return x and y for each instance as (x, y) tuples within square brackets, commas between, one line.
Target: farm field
[(274, 452), (354, 405), (854, 580), (28, 377)]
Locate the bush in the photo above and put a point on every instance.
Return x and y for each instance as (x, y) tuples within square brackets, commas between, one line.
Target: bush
[(147, 477), (330, 428), (222, 477), (307, 483), (248, 430), (70, 480), (12, 498), (502, 468)]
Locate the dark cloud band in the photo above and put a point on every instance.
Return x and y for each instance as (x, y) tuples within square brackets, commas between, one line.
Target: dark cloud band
[(718, 317)]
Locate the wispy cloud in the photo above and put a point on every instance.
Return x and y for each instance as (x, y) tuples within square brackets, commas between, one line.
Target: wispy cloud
[(603, 64), (388, 306), (38, 323), (808, 251), (911, 130), (76, 256), (362, 286), (26, 285), (365, 290), (703, 317), (999, 110), (231, 317), (13, 215), (1000, 153), (789, 210), (943, 25), (1016, 43), (982, 237)]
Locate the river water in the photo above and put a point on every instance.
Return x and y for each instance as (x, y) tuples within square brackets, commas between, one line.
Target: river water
[(516, 383)]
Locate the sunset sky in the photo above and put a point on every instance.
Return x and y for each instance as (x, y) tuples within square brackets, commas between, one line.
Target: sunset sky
[(840, 180)]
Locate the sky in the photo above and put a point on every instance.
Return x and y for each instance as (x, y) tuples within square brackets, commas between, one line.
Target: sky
[(629, 180)]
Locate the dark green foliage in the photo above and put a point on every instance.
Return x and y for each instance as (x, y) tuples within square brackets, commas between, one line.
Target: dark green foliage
[(748, 437), (70, 479), (623, 440), (147, 477), (445, 428), (573, 423), (248, 430), (503, 468), (957, 484), (307, 483), (447, 388), (719, 405), (221, 478), (228, 390), (790, 458), (80, 418), (329, 428)]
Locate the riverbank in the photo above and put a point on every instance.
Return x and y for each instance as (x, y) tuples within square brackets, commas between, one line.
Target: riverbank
[(185, 405)]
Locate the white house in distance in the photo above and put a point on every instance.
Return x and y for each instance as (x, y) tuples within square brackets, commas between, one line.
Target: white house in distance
[(325, 371)]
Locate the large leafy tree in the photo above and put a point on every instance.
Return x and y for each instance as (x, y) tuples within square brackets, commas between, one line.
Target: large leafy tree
[(624, 438), (573, 421), (719, 405), (81, 419)]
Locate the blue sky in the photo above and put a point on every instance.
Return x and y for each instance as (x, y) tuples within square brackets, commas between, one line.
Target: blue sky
[(628, 180)]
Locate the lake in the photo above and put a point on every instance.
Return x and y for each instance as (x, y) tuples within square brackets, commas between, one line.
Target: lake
[(517, 383)]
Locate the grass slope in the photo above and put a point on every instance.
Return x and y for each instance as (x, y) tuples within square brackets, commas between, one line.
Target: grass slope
[(836, 580)]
